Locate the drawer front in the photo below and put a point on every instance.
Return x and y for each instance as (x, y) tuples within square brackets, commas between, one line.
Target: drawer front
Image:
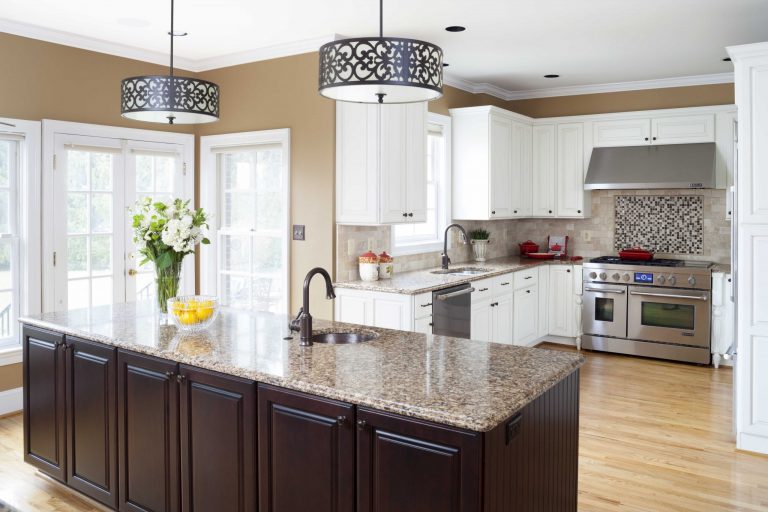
[(483, 289), (503, 284), (422, 305), (527, 277)]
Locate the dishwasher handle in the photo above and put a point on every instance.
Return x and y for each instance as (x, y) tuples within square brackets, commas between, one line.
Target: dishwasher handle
[(447, 296)]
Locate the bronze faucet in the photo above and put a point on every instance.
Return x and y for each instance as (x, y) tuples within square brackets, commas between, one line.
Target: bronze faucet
[(303, 321)]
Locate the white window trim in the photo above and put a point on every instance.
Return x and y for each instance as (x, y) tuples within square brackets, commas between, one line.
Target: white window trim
[(53, 127), (209, 197), (444, 192), (30, 301)]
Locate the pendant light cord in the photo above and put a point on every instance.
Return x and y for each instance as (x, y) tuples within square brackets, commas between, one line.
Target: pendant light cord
[(171, 39), (172, 91), (381, 18)]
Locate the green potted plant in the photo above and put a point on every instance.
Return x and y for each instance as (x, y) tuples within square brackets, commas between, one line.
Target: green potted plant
[(480, 238)]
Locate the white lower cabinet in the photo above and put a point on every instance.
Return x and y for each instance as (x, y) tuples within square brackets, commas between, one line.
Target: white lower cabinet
[(423, 325), (392, 312), (526, 315), (543, 296), (503, 314), (375, 309), (481, 328), (562, 321)]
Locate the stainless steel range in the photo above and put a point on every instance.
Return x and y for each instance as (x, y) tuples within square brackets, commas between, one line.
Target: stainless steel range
[(658, 308)]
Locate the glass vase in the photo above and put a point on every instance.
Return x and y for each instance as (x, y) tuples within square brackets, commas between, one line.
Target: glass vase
[(167, 281)]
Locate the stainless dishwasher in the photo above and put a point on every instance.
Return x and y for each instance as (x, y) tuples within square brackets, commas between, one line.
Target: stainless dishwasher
[(452, 311)]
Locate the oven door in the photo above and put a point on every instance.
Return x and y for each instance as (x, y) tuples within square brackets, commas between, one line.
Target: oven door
[(669, 315), (605, 310)]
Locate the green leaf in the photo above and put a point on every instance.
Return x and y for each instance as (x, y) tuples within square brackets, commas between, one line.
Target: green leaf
[(164, 260), (206, 241)]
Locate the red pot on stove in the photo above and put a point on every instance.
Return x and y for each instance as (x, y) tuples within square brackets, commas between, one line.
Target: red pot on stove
[(528, 246), (636, 253)]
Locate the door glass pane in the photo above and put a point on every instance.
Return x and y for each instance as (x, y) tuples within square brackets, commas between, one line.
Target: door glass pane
[(603, 309), (252, 234), (9, 283), (78, 294), (674, 316)]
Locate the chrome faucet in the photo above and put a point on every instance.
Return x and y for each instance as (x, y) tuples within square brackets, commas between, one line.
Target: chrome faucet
[(446, 260), (303, 321)]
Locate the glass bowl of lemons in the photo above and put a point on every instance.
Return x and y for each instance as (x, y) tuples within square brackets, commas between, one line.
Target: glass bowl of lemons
[(193, 312)]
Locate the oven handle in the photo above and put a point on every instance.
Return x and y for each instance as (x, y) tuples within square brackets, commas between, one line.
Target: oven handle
[(447, 296), (669, 295), (605, 290)]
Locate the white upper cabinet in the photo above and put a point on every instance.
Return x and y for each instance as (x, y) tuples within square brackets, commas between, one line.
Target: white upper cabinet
[(522, 167), (622, 132), (663, 129), (571, 198), (543, 175), (381, 163), (491, 164)]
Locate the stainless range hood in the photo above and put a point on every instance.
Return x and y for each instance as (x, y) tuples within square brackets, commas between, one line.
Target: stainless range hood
[(663, 166)]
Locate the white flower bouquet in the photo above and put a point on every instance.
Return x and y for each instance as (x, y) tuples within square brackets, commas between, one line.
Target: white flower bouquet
[(164, 233)]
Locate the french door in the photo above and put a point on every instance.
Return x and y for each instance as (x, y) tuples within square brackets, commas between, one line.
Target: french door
[(95, 181)]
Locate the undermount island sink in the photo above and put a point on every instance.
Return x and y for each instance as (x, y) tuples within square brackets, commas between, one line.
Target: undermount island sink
[(462, 271), (342, 338)]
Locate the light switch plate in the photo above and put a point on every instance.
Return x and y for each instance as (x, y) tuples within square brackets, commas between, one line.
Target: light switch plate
[(298, 231)]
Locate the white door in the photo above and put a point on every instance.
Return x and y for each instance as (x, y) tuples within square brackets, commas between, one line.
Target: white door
[(94, 182), (501, 167), (543, 175), (570, 170)]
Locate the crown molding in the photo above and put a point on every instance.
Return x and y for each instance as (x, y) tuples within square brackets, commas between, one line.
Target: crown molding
[(747, 50), (575, 90)]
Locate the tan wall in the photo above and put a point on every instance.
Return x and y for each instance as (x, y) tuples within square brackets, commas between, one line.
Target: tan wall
[(282, 93), (10, 377)]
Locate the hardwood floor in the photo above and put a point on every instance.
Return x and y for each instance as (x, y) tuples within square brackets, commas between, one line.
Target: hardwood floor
[(655, 437)]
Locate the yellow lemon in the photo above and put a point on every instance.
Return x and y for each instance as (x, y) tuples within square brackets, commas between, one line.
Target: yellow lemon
[(188, 317), (204, 313)]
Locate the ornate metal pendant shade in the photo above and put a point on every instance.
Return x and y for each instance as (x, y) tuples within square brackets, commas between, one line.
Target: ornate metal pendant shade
[(381, 69), (168, 98)]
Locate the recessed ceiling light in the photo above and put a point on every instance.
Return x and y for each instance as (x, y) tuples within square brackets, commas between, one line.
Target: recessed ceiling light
[(551, 76), (455, 28), (727, 59)]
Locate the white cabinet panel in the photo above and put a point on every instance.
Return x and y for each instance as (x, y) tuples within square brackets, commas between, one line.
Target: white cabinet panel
[(482, 320), (354, 309), (392, 313), (394, 207), (543, 297), (725, 138), (422, 305), (570, 170), (503, 284), (423, 325), (416, 161), (522, 141), (503, 316), (683, 129), (526, 315), (561, 301), (357, 163), (527, 277), (543, 176), (622, 132), (501, 167)]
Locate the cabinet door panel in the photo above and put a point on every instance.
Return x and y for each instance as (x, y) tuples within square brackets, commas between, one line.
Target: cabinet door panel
[(406, 465), (570, 170), (501, 167), (354, 310), (416, 162), (423, 325), (91, 420), (622, 132), (521, 170), (503, 315), (357, 163), (148, 433), (561, 301), (392, 313), (44, 399), (481, 325), (305, 435), (218, 441), (683, 129), (543, 177), (394, 161), (526, 313)]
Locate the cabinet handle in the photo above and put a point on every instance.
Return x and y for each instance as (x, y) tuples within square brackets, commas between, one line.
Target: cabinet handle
[(505, 284), (483, 290), (494, 304), (529, 277), (426, 305), (431, 324), (341, 420), (180, 378), (361, 424)]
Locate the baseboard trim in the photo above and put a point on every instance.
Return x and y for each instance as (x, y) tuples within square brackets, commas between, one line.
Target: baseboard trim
[(10, 401), (558, 340), (752, 443)]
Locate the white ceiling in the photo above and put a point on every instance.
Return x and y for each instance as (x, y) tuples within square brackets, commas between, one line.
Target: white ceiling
[(509, 44)]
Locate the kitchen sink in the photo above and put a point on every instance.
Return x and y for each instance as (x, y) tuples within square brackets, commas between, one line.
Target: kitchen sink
[(342, 338), (462, 271)]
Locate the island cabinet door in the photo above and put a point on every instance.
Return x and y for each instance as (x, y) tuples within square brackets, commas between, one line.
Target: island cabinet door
[(218, 441), (306, 453), (406, 465), (92, 419), (148, 433), (44, 410)]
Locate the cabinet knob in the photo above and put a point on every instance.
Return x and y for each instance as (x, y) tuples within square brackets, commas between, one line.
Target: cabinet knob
[(568, 270), (180, 378), (578, 211), (527, 291), (515, 211), (646, 138), (361, 424), (654, 138), (729, 212), (405, 214), (493, 212), (169, 375), (550, 211), (341, 420), (410, 214)]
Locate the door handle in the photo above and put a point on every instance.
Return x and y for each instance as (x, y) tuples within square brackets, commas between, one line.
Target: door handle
[(621, 292), (132, 272), (669, 295), (455, 294)]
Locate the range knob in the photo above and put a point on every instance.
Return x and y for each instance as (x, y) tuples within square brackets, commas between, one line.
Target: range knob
[(661, 279), (692, 281), (593, 275), (672, 280), (616, 276), (625, 276), (603, 276)]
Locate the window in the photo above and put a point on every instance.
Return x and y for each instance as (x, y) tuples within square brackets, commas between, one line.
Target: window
[(428, 236), (19, 232), (245, 181)]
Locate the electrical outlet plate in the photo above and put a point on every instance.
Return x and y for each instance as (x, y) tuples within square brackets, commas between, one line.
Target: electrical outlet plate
[(298, 232)]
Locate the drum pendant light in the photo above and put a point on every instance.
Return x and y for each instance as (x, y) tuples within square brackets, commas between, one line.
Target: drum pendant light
[(381, 69), (168, 98)]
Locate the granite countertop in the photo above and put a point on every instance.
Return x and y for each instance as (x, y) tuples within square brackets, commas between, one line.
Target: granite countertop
[(420, 281), (468, 384), (725, 268)]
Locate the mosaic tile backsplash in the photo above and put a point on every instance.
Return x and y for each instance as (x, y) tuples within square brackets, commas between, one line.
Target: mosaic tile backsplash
[(662, 224)]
